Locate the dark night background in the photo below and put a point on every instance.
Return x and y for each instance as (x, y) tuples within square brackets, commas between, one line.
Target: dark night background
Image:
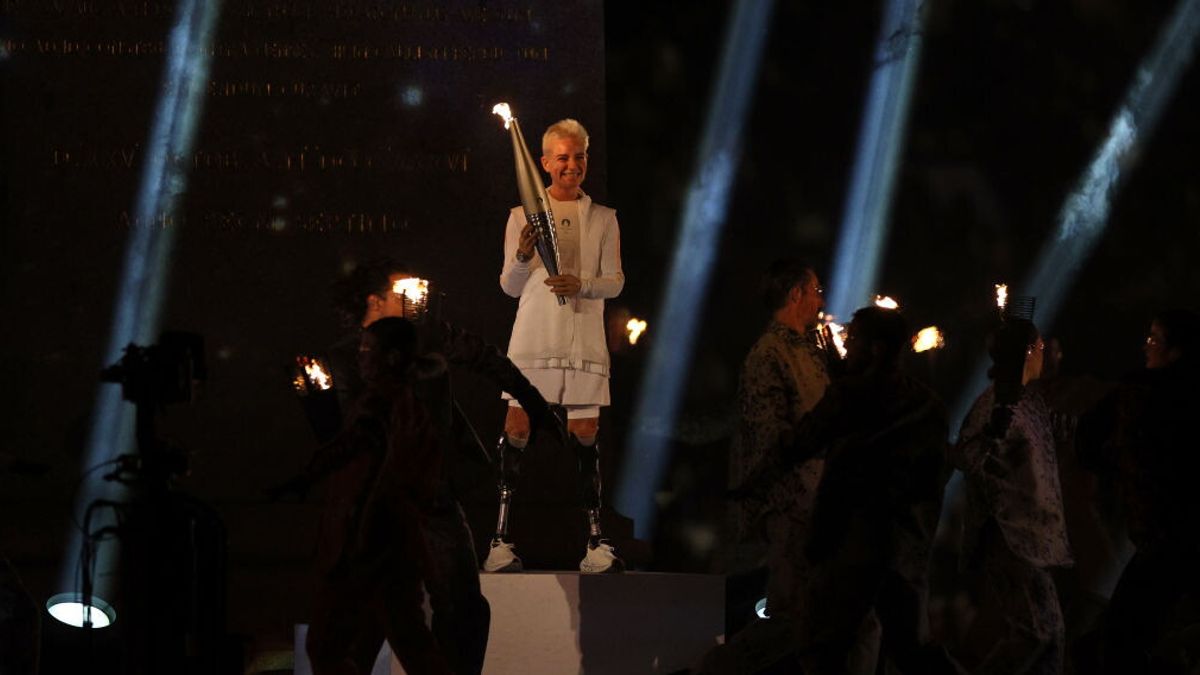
[(1011, 100)]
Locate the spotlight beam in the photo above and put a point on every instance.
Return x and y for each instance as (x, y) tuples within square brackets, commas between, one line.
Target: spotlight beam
[(695, 252), (864, 230), (1084, 213), (139, 300)]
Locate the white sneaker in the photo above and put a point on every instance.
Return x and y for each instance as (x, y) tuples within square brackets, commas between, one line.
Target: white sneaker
[(600, 559), (501, 558)]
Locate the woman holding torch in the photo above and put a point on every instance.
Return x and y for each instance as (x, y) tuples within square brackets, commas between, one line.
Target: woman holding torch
[(558, 338)]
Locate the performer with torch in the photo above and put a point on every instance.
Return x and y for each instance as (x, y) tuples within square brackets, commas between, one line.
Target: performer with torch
[(558, 338)]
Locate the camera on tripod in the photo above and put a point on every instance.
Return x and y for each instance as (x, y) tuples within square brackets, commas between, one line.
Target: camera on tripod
[(171, 371)]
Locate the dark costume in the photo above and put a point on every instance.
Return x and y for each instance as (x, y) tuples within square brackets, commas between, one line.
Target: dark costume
[(876, 510), (461, 615), (385, 472), (1153, 456)]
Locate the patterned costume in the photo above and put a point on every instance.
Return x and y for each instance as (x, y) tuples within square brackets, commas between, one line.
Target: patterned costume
[(1015, 530), (783, 377)]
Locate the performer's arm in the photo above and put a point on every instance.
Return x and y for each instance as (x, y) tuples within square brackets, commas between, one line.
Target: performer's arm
[(470, 351), (515, 273), (612, 278)]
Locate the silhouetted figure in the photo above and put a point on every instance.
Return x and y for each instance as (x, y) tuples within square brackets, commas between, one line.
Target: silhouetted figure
[(20, 618), (461, 615), (385, 469), (1015, 530), (883, 434), (1157, 466), (783, 377)]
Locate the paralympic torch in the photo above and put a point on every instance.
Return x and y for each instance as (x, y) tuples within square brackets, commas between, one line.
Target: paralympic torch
[(534, 199)]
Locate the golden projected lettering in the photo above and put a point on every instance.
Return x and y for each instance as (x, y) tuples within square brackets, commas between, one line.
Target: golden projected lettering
[(94, 158), (315, 90), (301, 159), (403, 52), (281, 10), (318, 222), (534, 53), (282, 51), (66, 47), (88, 9), (386, 159)]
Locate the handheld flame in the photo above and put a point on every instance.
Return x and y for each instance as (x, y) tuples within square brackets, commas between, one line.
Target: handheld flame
[(534, 199), (835, 331), (504, 112), (927, 339), (412, 288), (414, 293), (886, 302), (1001, 296), (312, 375), (634, 330)]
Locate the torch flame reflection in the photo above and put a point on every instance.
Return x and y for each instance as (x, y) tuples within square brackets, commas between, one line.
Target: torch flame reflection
[(634, 328), (886, 302), (504, 112), (928, 338), (1001, 295)]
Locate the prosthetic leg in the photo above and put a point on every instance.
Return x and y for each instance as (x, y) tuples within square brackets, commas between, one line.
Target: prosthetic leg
[(599, 557), (508, 465)]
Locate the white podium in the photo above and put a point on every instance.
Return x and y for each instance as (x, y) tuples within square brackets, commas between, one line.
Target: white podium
[(556, 623)]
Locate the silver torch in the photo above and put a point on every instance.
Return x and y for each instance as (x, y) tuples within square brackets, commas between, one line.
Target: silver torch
[(534, 199)]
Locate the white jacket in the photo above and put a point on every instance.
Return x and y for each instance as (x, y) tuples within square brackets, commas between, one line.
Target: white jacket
[(546, 335)]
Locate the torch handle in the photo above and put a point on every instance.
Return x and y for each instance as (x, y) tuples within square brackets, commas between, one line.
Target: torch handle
[(546, 245)]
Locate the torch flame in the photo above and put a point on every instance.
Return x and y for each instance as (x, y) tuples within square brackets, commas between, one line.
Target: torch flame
[(886, 302), (634, 329), (1001, 295), (928, 338), (412, 288), (836, 330), (315, 373), (504, 112)]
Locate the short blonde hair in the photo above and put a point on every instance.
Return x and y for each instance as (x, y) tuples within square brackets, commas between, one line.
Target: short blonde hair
[(567, 128)]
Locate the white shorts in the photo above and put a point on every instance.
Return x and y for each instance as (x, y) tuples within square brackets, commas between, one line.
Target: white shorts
[(580, 392)]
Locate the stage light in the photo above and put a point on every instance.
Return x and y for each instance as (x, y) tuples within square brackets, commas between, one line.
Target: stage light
[(70, 609), (695, 252), (760, 609), (143, 282), (864, 230)]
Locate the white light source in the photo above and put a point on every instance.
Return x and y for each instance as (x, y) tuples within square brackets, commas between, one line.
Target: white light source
[(760, 609), (69, 609)]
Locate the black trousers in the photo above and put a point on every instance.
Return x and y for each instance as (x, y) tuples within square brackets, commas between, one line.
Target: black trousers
[(461, 615)]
